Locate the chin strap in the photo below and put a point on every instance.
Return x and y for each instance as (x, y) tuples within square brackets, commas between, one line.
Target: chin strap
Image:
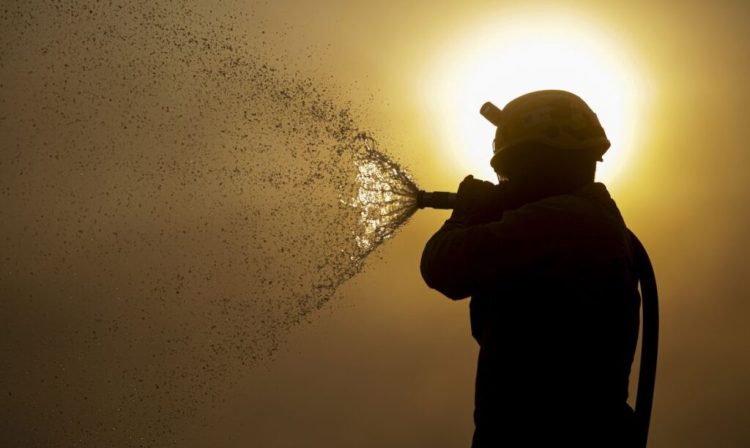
[(649, 342)]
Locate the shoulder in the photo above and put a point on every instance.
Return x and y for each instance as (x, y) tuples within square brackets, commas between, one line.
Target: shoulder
[(591, 202), (588, 216)]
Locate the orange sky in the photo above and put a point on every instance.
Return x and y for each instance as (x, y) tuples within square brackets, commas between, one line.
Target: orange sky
[(389, 362)]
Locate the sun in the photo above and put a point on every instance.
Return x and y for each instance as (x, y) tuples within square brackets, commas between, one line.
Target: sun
[(502, 58)]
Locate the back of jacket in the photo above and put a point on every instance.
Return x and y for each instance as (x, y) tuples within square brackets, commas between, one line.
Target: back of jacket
[(555, 310)]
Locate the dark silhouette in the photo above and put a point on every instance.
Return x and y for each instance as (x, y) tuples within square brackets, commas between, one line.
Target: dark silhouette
[(553, 273)]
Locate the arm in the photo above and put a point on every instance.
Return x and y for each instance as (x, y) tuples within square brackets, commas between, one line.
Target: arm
[(446, 260), (462, 258)]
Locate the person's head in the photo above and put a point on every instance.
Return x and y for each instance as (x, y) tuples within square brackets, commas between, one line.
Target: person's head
[(548, 137)]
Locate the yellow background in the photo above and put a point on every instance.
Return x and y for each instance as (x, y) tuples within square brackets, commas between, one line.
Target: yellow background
[(390, 363)]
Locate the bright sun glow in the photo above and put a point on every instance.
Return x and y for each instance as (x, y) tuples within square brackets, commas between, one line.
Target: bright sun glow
[(505, 57)]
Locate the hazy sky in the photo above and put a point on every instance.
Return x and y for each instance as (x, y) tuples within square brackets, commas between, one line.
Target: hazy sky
[(387, 362)]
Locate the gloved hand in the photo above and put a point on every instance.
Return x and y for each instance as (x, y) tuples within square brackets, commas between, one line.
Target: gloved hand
[(477, 201)]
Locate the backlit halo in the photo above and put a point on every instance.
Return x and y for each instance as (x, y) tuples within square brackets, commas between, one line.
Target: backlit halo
[(506, 57)]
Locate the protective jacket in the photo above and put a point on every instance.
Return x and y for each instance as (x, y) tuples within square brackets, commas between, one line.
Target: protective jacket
[(554, 308)]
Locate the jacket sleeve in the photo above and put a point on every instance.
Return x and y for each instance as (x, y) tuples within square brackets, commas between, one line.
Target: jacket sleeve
[(446, 260), (461, 259)]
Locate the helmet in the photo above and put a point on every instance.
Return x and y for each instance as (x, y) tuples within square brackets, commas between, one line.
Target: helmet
[(552, 118)]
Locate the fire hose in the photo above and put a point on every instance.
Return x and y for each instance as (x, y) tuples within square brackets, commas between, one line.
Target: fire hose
[(650, 310)]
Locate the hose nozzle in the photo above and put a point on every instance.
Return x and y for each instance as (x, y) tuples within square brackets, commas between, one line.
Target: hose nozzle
[(436, 199)]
